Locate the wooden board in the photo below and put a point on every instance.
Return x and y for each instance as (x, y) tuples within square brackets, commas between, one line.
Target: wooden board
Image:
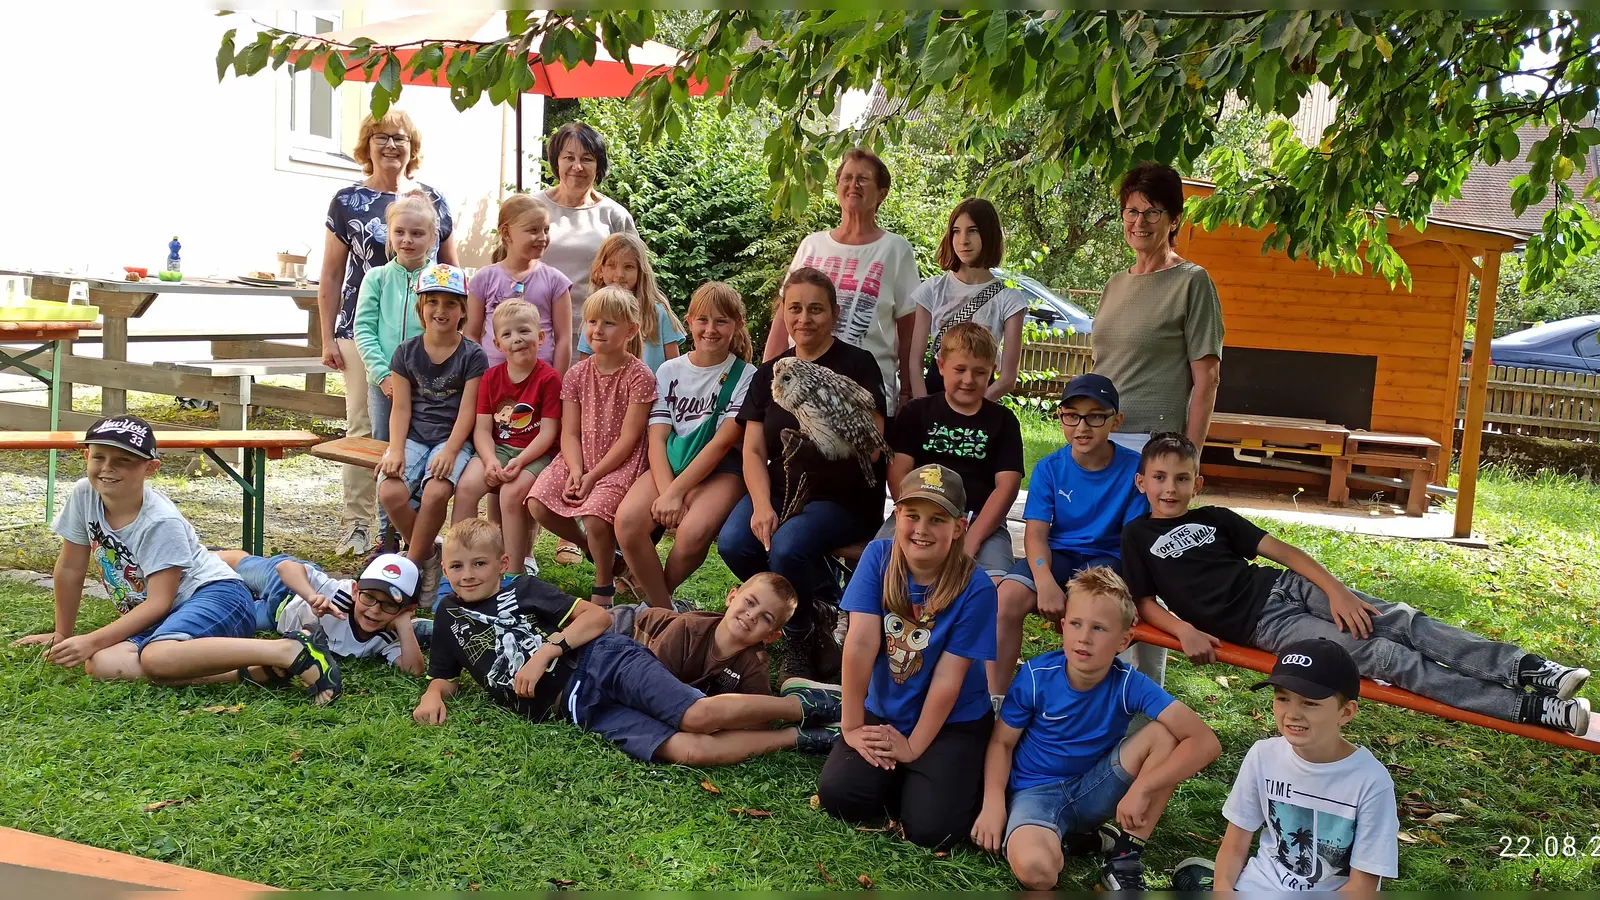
[(184, 335), (261, 349), (32, 417), (198, 439), (354, 451), (1227, 428), (21, 848), (12, 332), (1262, 661), (282, 365)]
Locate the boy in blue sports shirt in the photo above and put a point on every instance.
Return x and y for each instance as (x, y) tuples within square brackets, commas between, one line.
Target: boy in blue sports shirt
[(1060, 755), (1079, 497)]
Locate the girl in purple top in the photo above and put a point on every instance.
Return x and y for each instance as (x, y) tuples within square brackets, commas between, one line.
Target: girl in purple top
[(524, 230)]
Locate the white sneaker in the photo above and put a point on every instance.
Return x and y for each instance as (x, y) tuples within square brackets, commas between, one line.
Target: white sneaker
[(428, 579), (530, 566), (357, 541)]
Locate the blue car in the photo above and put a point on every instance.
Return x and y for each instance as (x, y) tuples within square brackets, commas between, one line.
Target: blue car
[(1047, 307), (1570, 345)]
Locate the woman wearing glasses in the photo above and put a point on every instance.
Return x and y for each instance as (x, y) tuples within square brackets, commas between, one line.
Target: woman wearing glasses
[(389, 151), (1158, 331), (874, 272)]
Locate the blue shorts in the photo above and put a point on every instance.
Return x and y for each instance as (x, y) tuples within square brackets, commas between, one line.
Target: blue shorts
[(224, 608), (1075, 804), (419, 455), (1063, 565), (260, 575), (621, 692)]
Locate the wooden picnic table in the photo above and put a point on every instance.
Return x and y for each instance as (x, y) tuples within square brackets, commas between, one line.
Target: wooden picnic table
[(258, 447), (119, 301), (55, 337)]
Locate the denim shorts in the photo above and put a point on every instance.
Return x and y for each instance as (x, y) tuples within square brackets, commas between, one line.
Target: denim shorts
[(260, 575), (1075, 804), (223, 608), (419, 455), (622, 693), (1063, 565)]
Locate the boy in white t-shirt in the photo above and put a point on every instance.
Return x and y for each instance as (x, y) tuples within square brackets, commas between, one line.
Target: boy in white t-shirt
[(1327, 805)]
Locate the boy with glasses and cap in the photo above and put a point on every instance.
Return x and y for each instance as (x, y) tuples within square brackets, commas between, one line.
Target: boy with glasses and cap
[(1324, 806), (1079, 498)]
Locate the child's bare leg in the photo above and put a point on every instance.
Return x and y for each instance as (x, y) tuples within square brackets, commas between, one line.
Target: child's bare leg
[(515, 523), (737, 711), (1034, 852), (436, 494), (231, 557), (565, 528), (603, 550), (1016, 601), (396, 499), (470, 492), (725, 748), (1148, 747), (633, 528), (118, 662), (184, 662), (706, 509)]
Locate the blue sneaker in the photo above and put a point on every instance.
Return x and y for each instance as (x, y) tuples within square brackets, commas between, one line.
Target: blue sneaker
[(818, 705), (818, 739)]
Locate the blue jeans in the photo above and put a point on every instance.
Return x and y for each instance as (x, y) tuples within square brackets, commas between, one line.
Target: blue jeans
[(799, 552), (1075, 804), (222, 608), (1063, 565), (1406, 648), (260, 575)]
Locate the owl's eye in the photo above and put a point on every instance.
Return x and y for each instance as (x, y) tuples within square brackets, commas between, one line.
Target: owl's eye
[(918, 639), (893, 625)]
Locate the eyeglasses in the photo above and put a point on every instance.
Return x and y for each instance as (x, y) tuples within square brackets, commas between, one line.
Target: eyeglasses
[(392, 607), (1095, 420), (1150, 216), (391, 140), (859, 179)]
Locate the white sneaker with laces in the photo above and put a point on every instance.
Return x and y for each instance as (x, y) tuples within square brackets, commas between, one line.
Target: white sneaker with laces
[(530, 566), (357, 541)]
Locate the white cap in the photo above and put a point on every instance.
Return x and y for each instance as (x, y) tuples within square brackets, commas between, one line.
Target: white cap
[(392, 574)]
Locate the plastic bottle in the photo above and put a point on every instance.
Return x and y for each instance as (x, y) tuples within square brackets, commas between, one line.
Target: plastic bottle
[(173, 263)]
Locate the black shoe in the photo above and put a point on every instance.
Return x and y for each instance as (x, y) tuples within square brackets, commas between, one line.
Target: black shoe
[(819, 706), (1194, 874), (1125, 873), (817, 739), (797, 662), (1571, 716), (1097, 842), (1554, 679), (827, 657)]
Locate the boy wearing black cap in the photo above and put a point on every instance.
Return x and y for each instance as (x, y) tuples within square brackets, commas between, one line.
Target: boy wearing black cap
[(177, 602), (1079, 497), (1327, 805)]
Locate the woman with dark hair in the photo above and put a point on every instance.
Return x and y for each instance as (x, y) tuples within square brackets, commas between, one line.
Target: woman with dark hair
[(1158, 334), (802, 505), (873, 271), (1158, 331), (581, 218), (968, 291), (389, 151)]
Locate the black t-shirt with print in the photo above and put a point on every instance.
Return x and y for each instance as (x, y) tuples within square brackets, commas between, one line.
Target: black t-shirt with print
[(1199, 563), (840, 481), (975, 447), (493, 639)]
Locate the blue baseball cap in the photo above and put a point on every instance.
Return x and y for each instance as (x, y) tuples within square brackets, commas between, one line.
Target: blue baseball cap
[(1096, 387), (442, 277)]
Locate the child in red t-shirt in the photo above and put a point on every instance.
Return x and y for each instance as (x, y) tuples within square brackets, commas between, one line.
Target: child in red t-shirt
[(519, 422)]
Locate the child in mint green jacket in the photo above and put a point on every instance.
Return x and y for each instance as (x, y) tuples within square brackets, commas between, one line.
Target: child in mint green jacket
[(386, 310)]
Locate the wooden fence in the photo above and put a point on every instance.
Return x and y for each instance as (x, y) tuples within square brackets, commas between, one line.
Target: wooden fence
[(1535, 402)]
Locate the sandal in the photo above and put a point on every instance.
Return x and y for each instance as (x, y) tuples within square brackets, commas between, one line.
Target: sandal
[(314, 652), (609, 592), (568, 554), (275, 678)]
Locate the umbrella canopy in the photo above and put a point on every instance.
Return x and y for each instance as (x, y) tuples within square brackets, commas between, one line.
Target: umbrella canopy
[(605, 77)]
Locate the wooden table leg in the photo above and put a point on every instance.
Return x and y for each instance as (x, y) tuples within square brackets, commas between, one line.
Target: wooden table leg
[(1338, 486), (1417, 495), (235, 417), (114, 345), (316, 383)]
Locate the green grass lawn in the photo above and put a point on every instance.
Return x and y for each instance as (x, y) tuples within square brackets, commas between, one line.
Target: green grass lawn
[(273, 790)]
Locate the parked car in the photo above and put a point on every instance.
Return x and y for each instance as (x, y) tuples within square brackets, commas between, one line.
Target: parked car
[(1570, 345), (1048, 308)]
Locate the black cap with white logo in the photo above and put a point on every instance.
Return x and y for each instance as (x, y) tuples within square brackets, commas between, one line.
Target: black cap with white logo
[(1316, 668), (129, 433)]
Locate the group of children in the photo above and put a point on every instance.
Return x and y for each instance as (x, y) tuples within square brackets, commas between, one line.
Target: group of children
[(1087, 751)]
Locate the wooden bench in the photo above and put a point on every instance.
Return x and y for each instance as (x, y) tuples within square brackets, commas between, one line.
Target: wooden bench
[(1405, 452), (258, 447), (352, 451), (187, 335), (1305, 436), (1262, 661), (233, 411)]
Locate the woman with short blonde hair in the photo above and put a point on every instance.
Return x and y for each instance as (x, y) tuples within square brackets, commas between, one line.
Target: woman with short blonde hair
[(389, 151)]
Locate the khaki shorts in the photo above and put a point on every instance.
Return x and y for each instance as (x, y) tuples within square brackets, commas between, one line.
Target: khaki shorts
[(505, 453)]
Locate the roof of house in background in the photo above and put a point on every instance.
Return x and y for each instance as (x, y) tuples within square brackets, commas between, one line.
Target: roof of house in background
[(1485, 198)]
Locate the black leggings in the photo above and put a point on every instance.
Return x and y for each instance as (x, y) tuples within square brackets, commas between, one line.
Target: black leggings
[(936, 798)]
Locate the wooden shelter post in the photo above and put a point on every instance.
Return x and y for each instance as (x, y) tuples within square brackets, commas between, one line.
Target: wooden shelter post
[(1477, 392)]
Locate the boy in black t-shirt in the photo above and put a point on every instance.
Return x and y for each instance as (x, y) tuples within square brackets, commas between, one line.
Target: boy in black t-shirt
[(1198, 561), (544, 655), (973, 436)]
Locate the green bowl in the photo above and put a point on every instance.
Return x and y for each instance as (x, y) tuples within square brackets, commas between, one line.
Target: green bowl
[(165, 275)]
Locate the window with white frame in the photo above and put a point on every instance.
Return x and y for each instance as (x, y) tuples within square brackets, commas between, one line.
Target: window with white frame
[(310, 111)]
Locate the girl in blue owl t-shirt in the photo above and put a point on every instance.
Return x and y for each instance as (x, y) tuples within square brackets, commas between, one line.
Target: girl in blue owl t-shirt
[(916, 714)]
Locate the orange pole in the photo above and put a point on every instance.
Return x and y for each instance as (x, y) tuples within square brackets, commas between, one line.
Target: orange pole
[(1477, 394)]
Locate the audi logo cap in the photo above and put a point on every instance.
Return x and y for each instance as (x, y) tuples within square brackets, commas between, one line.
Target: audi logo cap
[(1316, 668)]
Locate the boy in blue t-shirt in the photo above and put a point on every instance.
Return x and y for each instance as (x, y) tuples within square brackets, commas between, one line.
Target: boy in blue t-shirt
[(1060, 755), (1079, 497)]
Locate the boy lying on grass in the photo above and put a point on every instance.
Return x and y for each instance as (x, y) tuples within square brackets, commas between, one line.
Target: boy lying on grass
[(357, 618), (184, 617), (544, 655), (1199, 562)]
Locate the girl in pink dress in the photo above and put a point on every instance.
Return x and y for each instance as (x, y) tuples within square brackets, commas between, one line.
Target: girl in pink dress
[(606, 400)]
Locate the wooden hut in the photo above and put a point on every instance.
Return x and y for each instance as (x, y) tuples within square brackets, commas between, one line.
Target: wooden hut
[(1347, 348)]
